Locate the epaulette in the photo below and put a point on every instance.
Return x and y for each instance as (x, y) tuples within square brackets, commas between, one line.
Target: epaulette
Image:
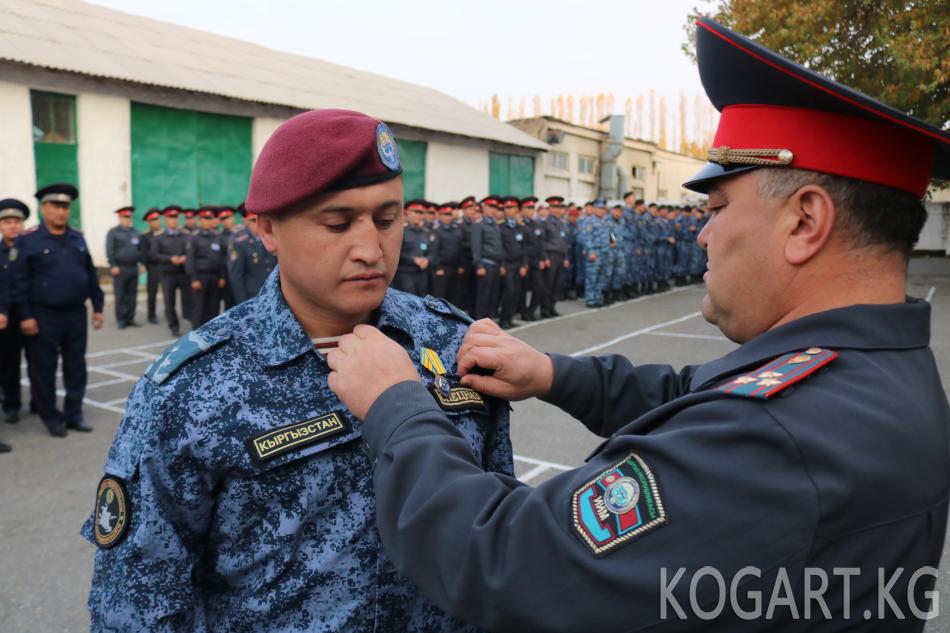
[(181, 351), (240, 237), (30, 231), (779, 374), (444, 307)]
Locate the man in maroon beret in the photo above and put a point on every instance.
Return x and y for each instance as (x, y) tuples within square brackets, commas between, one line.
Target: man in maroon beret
[(270, 520)]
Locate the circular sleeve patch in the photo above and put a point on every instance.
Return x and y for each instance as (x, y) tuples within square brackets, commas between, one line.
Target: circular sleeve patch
[(113, 512)]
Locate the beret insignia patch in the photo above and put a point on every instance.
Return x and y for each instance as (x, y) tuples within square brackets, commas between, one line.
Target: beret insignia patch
[(113, 512), (619, 505), (386, 146)]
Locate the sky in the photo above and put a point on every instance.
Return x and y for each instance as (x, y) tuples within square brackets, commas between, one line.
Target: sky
[(470, 50)]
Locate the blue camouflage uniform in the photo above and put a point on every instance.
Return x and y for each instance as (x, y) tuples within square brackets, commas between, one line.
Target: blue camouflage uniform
[(631, 237), (648, 246), (596, 240), (249, 265), (697, 262), (664, 250), (617, 262), (248, 495), (685, 239)]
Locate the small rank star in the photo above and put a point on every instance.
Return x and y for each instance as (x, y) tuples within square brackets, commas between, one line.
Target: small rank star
[(814, 350), (770, 374), (799, 359), (744, 380), (769, 382)]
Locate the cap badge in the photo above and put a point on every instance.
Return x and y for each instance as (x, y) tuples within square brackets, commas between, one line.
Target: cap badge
[(386, 146)]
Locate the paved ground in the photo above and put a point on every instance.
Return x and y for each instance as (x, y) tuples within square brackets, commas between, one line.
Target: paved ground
[(48, 484)]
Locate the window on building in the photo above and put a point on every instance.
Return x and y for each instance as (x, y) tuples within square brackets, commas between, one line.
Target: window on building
[(639, 173), (54, 118), (557, 160), (585, 164)]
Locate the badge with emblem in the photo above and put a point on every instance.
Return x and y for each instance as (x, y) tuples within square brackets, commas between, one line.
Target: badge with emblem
[(619, 505), (386, 147), (113, 512)]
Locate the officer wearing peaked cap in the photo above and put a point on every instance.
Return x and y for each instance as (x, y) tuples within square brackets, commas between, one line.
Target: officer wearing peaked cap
[(237, 495), (249, 262), (123, 252), (818, 445), (153, 277), (168, 254), (53, 281)]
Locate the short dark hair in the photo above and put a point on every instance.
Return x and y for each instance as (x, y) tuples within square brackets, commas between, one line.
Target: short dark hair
[(869, 215)]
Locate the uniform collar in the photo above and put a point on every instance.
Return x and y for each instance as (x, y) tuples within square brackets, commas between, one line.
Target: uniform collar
[(281, 337), (866, 327)]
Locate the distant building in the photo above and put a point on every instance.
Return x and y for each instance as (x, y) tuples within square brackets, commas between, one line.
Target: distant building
[(574, 167), (133, 110)]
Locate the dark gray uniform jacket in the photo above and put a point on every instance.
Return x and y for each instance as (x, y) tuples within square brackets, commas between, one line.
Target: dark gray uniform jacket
[(848, 468)]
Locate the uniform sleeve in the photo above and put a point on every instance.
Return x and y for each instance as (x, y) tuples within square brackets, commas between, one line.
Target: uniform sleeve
[(477, 245), (509, 557), (20, 276), (224, 243), (406, 250), (5, 287), (607, 392), (190, 267), (236, 271), (154, 254), (146, 582), (110, 248), (95, 290)]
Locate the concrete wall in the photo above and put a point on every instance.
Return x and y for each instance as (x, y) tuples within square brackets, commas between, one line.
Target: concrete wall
[(104, 131), (261, 130), (17, 170), (935, 236), (454, 171)]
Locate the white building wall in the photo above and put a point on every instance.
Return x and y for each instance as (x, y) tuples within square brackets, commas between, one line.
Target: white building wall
[(261, 130), (455, 171), (104, 134), (17, 167)]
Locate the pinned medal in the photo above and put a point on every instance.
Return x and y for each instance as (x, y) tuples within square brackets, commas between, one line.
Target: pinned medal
[(431, 361), (443, 386)]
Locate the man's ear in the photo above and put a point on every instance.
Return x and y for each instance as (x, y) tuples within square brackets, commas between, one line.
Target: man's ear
[(265, 229), (811, 215)]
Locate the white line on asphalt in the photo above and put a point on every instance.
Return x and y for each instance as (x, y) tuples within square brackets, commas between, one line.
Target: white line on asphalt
[(930, 295), (645, 330), (539, 462), (531, 474), (114, 374), (103, 405), (135, 361), (704, 337), (106, 383), (588, 311), (112, 403), (123, 350), (144, 355)]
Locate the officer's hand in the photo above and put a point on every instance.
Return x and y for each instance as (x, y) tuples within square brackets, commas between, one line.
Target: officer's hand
[(221, 283), (29, 327), (461, 270), (96, 320), (567, 263), (519, 370), (196, 285), (592, 257), (502, 271), (440, 273), (481, 272), (364, 365), (114, 271), (3, 321), (523, 271)]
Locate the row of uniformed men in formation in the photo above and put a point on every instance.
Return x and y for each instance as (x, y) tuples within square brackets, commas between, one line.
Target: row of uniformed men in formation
[(47, 275), (504, 256), (209, 260)]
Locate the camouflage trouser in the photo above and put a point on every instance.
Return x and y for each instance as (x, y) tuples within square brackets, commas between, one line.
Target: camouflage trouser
[(595, 279), (633, 264), (617, 268), (684, 252)]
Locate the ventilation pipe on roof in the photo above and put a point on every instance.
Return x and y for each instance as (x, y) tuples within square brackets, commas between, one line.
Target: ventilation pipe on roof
[(609, 155)]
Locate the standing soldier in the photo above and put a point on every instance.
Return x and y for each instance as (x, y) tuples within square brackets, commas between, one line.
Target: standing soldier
[(573, 273), (52, 282), (12, 215), (596, 248), (205, 265), (448, 254), (466, 280), (537, 262), (225, 216), (631, 249), (487, 256), (153, 276), (191, 221), (617, 263), (414, 258), (168, 251), (249, 263), (515, 265), (123, 252), (555, 254)]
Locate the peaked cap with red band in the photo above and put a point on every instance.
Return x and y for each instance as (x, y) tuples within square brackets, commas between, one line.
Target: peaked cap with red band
[(778, 113), (125, 211), (320, 151)]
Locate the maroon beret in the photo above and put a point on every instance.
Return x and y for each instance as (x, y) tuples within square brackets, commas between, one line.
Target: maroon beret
[(319, 151)]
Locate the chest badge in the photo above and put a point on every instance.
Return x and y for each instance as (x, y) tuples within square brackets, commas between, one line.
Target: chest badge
[(429, 359), (298, 435)]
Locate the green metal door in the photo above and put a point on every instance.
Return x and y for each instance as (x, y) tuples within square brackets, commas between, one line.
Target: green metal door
[(412, 155), (55, 148), (188, 158), (510, 175)]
